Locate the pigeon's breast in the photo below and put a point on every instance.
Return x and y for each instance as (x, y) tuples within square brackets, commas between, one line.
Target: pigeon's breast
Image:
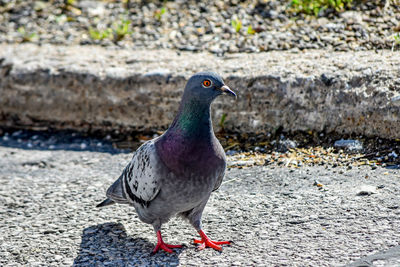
[(192, 159), (192, 171)]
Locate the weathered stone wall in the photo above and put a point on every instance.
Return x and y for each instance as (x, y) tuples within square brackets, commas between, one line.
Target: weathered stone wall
[(92, 87)]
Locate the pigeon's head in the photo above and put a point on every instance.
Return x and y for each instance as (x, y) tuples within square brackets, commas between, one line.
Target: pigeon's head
[(206, 86)]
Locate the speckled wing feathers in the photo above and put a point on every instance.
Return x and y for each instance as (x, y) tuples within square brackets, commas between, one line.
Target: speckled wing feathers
[(140, 181)]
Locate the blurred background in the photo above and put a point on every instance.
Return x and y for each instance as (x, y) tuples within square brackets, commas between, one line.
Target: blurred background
[(215, 26)]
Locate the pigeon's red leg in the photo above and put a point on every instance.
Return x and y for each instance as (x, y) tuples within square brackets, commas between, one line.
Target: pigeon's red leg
[(207, 242), (164, 246)]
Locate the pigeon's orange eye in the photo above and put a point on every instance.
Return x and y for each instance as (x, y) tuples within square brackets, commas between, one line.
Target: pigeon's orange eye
[(206, 83)]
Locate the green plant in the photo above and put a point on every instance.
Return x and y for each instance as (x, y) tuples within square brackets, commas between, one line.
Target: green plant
[(159, 13), (236, 24), (396, 40), (314, 7), (222, 121), (26, 36), (250, 30), (96, 34), (121, 29)]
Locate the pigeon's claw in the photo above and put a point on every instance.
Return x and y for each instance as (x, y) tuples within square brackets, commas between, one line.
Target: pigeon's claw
[(197, 241), (164, 246), (206, 242)]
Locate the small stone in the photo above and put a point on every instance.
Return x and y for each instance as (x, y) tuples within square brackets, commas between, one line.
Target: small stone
[(366, 190), (58, 257), (285, 145), (46, 232), (351, 145)]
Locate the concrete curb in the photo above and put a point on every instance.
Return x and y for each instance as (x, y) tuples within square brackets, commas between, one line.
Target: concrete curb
[(98, 88)]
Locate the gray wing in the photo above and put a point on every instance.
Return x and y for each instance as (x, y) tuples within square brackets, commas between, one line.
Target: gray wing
[(140, 179), (219, 181)]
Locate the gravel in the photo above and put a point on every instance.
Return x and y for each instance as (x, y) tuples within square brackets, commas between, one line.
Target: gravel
[(193, 26), (246, 150), (276, 215)]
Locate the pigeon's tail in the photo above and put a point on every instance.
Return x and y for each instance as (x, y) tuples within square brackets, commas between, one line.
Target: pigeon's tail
[(105, 203), (116, 193)]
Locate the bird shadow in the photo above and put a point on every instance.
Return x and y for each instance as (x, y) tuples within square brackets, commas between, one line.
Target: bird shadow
[(108, 244)]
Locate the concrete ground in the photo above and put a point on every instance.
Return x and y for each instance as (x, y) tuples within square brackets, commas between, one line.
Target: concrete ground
[(277, 216)]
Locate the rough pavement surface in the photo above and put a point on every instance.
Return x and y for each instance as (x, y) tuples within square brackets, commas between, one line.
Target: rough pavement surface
[(276, 216), (97, 88)]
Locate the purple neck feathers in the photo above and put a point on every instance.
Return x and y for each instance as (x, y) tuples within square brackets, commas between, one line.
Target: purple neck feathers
[(190, 141)]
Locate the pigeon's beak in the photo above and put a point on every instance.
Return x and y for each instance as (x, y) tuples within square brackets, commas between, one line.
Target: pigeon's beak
[(226, 90)]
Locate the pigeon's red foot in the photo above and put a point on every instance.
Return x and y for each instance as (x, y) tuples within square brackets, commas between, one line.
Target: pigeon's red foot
[(206, 242), (164, 246)]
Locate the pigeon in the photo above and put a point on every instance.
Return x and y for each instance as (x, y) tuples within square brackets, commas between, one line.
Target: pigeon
[(175, 173)]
